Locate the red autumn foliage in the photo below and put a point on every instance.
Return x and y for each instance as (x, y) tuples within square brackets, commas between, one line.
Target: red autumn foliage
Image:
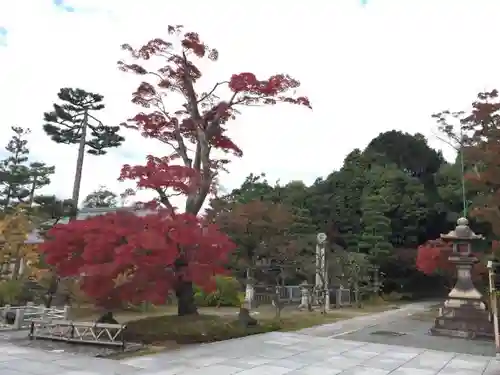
[(199, 126), (125, 257), (432, 258), (479, 135), (155, 254)]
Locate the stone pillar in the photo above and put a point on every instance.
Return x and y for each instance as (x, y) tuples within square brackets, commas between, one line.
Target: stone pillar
[(305, 295), (67, 309), (321, 281), (19, 319), (249, 292)]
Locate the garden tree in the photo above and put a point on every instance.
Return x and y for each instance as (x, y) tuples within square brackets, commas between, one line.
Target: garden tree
[(73, 122), (261, 231), (17, 258), (410, 153), (254, 187), (195, 131), (407, 205), (102, 197), (18, 179), (477, 134), (14, 174), (335, 202), (39, 177), (448, 181), (374, 239), (121, 257), (432, 259), (356, 269), (50, 209)]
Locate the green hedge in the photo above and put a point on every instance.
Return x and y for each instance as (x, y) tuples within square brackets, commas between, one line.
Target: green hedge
[(227, 293)]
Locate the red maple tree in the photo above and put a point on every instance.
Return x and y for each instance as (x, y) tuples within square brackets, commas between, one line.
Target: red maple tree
[(191, 133), (432, 258), (477, 133), (124, 257)]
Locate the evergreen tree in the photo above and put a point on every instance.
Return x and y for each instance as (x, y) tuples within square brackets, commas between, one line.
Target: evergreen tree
[(14, 174), (74, 123), (100, 198), (39, 177), (19, 181), (376, 228)]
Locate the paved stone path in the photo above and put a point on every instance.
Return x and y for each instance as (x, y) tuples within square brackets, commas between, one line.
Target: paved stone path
[(348, 326), (298, 354), (277, 353), (274, 353)]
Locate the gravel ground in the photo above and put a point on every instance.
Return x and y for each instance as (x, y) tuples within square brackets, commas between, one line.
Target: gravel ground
[(20, 338)]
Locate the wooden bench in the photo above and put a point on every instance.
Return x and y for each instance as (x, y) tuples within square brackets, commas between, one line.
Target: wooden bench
[(78, 332)]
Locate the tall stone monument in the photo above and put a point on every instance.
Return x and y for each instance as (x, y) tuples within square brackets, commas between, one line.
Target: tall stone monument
[(464, 312), (321, 279)]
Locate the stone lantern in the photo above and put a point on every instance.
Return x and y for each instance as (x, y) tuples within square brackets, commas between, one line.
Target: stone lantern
[(464, 312)]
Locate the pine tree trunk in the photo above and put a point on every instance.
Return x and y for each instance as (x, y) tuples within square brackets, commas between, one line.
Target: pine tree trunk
[(79, 167), (54, 284), (32, 192)]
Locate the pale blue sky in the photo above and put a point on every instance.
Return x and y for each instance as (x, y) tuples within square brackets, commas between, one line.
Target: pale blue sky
[(386, 65)]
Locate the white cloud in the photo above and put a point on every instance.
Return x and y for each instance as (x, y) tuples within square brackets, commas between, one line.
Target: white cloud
[(367, 69)]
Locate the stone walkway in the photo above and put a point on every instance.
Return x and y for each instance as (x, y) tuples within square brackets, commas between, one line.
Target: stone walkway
[(348, 326), (269, 354), (316, 351), (298, 354)]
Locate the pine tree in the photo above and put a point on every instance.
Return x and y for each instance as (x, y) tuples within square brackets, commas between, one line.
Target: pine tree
[(100, 198), (376, 228), (18, 180), (39, 177), (73, 123), (14, 174)]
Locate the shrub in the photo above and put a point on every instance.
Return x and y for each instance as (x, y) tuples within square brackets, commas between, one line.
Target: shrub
[(227, 293), (10, 292)]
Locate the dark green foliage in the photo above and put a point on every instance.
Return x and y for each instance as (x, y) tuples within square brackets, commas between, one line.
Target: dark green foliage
[(384, 201), (410, 153), (100, 198), (39, 177), (50, 209), (65, 123), (14, 174), (19, 179), (375, 228)]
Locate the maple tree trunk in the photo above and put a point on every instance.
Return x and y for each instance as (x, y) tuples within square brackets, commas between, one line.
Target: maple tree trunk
[(185, 299)]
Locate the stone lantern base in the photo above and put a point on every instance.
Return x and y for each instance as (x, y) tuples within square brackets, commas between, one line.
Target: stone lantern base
[(466, 319)]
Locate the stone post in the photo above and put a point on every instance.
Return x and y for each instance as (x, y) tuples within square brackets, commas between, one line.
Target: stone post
[(321, 280), (249, 292), (18, 321), (67, 309), (43, 312), (305, 295)]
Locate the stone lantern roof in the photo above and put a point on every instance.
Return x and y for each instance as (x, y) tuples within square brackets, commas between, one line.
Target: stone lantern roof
[(462, 232)]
